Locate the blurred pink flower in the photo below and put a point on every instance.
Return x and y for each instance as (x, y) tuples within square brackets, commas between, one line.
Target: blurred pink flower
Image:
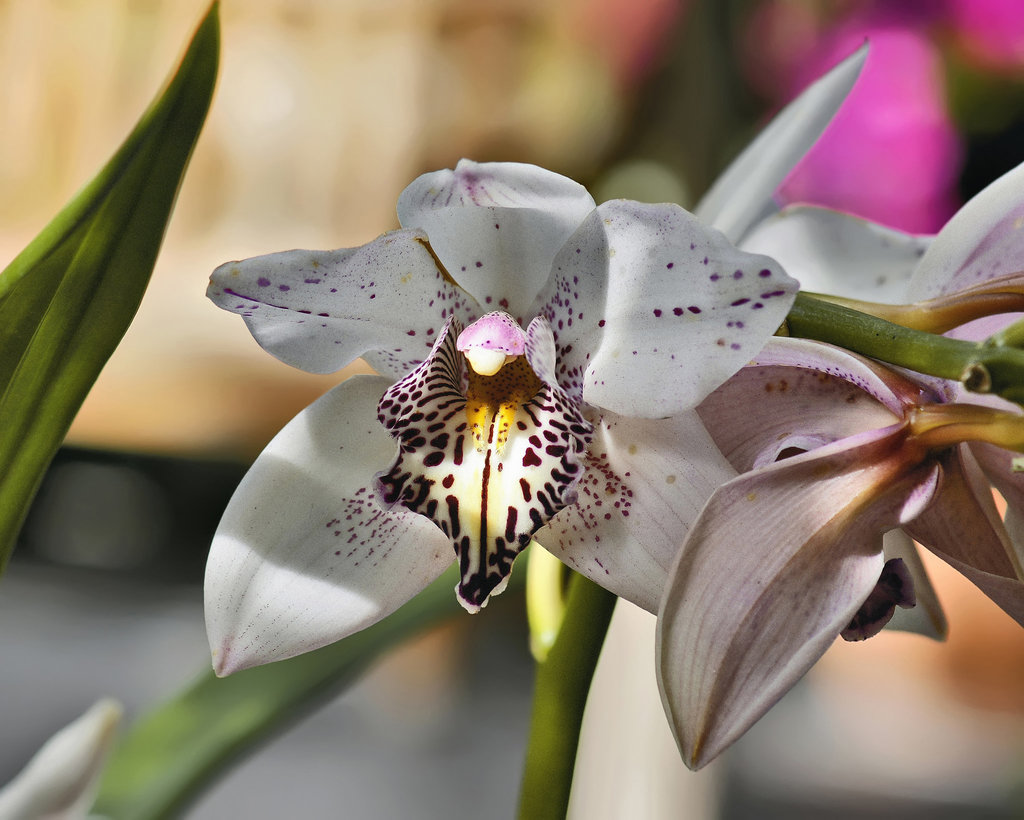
[(891, 154), (991, 30)]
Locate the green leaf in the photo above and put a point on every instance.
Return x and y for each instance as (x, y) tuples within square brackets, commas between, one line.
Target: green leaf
[(68, 298), (170, 755)]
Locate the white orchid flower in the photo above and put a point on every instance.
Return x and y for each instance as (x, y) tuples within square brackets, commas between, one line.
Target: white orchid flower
[(839, 452), (540, 359), (60, 781)]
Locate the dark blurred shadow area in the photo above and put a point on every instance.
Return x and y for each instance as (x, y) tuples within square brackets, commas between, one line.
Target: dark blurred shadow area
[(141, 517)]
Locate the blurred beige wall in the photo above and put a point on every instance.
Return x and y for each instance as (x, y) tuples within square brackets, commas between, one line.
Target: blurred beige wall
[(324, 111)]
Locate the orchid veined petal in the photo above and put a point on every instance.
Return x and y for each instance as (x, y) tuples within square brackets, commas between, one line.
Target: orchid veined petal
[(997, 464), (927, 617), (60, 781), (319, 310), (496, 226), (774, 568), (964, 529), (886, 386), (840, 254), (798, 409), (304, 554), (651, 310), (743, 194), (487, 493), (981, 242), (645, 483)]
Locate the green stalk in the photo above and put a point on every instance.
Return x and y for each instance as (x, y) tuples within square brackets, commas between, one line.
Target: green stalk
[(985, 367), (172, 754), (560, 695)]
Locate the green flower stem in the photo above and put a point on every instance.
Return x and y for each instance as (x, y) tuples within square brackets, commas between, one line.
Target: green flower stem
[(559, 698), (985, 367), (170, 755)]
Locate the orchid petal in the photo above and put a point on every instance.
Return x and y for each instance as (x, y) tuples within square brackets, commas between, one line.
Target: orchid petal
[(927, 617), (839, 254), (488, 494), (61, 779), (304, 555), (798, 408), (997, 465), (319, 310), (496, 226), (645, 483), (964, 529), (742, 195), (652, 310), (981, 242), (778, 563)]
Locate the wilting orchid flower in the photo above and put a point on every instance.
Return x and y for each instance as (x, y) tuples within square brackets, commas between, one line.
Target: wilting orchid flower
[(606, 325), (788, 555), (61, 779)]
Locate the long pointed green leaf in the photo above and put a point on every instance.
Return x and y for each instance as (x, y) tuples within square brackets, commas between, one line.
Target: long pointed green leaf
[(68, 298), (170, 755)]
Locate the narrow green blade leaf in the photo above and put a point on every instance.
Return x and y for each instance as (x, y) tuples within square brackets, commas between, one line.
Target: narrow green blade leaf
[(169, 756), (68, 298)]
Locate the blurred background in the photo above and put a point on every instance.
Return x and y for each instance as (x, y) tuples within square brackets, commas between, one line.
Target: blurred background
[(325, 110)]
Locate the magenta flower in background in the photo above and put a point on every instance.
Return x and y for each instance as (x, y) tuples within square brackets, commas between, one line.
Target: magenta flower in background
[(992, 31), (892, 153)]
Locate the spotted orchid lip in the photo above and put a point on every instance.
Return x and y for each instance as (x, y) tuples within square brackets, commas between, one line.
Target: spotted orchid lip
[(489, 466)]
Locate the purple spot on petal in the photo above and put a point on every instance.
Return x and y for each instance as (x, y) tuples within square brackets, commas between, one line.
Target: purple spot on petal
[(714, 277), (738, 275), (657, 312), (693, 309), (262, 282), (764, 273), (283, 287), (671, 265), (739, 302)]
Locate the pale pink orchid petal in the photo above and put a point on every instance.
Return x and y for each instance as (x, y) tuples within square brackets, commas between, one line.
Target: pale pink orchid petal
[(806, 394), (885, 386), (982, 241), (997, 464), (743, 194), (645, 482), (496, 226), (777, 564), (319, 310), (652, 310), (304, 555), (927, 617), (840, 254), (60, 781), (963, 528)]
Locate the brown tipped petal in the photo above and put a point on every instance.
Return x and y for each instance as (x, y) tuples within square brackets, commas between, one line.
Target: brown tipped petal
[(778, 563), (964, 529)]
